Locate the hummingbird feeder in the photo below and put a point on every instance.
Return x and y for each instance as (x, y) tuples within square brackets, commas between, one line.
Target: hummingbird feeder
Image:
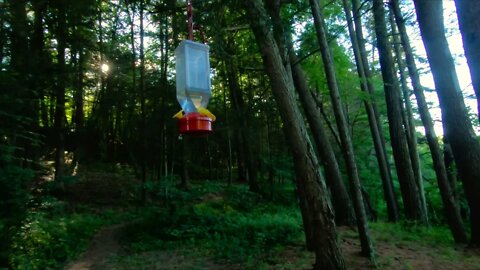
[(193, 84)]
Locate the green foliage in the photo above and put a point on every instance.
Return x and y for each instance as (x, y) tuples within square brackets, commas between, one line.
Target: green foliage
[(12, 191), (14, 197), (47, 243), (404, 232), (235, 225)]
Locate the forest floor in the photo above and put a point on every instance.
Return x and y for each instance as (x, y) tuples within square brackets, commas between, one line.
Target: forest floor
[(212, 226), (106, 252)]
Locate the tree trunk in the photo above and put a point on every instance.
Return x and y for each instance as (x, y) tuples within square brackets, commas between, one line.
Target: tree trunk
[(450, 204), (458, 129), (142, 104), (39, 62), (408, 120), (375, 128), (245, 132), (79, 112), (347, 146), (3, 34), (60, 92), (18, 36), (411, 199), (309, 180), (469, 21), (22, 95), (344, 214), (449, 162), (184, 176), (273, 7), (340, 199)]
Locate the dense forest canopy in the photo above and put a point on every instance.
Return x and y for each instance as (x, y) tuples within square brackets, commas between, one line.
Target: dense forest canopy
[(352, 111)]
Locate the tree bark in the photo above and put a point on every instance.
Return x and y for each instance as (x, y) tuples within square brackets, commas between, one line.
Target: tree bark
[(411, 200), (469, 21), (344, 214), (60, 92), (273, 7), (22, 94), (143, 115), (375, 128), (340, 198), (79, 92), (450, 204), (244, 130), (458, 129), (308, 177), (408, 120), (347, 146)]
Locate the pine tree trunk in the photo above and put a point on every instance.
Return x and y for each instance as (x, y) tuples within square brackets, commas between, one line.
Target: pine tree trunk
[(452, 172), (143, 135), (60, 93), (411, 198), (347, 146), (39, 63), (313, 190), (22, 94), (408, 120), (469, 21), (340, 198), (3, 34), (375, 129), (78, 96), (450, 204), (344, 214), (458, 129), (244, 130)]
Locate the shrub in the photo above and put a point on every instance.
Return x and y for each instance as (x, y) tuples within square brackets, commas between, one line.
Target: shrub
[(44, 243), (221, 227), (13, 201)]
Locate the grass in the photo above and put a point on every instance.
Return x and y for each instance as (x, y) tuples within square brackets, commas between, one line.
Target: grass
[(405, 232), (433, 243)]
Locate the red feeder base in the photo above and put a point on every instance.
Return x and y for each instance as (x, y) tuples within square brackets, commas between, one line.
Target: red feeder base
[(195, 123)]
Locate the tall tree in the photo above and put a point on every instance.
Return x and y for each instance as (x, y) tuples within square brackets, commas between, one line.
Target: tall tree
[(457, 126), (407, 116), (343, 131), (23, 95), (469, 22), (411, 199), (340, 199), (40, 60), (143, 119), (61, 35), (344, 214), (309, 179), (450, 205), (375, 128), (246, 145)]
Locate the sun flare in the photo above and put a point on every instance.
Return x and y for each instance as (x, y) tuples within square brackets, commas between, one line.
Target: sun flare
[(105, 68)]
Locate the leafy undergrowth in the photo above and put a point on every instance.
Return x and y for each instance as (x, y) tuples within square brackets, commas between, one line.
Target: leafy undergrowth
[(230, 226), (59, 223), (218, 227), (211, 226), (407, 246), (52, 235)]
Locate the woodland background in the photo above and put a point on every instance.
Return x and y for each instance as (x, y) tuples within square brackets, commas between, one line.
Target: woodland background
[(322, 122)]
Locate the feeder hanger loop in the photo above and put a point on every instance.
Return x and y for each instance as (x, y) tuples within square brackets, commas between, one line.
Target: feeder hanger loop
[(190, 25), (190, 20)]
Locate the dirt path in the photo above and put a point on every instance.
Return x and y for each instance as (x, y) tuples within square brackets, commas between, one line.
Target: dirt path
[(103, 245)]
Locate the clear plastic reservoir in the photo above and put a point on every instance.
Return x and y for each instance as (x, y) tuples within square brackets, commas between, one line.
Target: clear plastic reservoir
[(192, 75)]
